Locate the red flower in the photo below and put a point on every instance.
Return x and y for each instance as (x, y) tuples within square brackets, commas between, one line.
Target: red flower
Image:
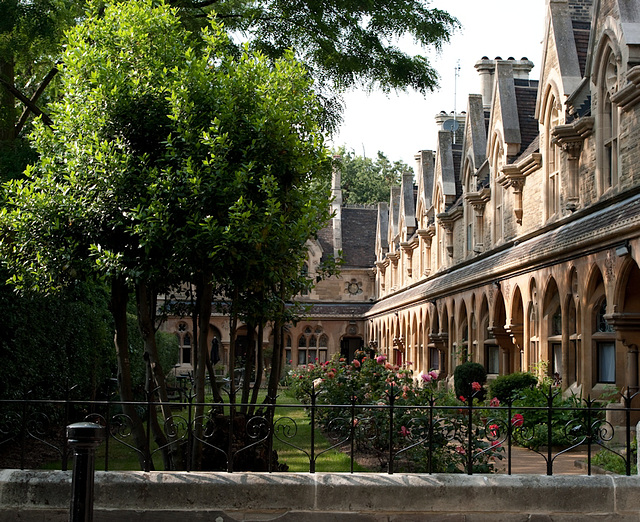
[(462, 398), (495, 402), (517, 420), (476, 386)]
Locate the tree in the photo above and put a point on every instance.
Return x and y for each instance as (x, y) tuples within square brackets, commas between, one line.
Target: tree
[(344, 43), (30, 45), (167, 164), (366, 181)]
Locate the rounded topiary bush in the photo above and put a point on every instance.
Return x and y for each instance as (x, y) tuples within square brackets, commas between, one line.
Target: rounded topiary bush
[(464, 375), (506, 387)]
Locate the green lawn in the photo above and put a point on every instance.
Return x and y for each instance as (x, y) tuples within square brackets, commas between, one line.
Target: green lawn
[(122, 457)]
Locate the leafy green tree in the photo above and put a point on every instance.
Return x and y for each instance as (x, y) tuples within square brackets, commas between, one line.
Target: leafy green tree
[(170, 164), (366, 181), (344, 43), (30, 45), (50, 344)]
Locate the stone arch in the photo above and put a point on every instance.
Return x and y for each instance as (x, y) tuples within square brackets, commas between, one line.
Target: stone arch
[(463, 338), (600, 349), (626, 321), (516, 329), (572, 338), (551, 345)]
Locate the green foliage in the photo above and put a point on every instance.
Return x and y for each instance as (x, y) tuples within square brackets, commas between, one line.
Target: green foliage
[(465, 375), (343, 42), (506, 387), (367, 181), (614, 462), (51, 343)]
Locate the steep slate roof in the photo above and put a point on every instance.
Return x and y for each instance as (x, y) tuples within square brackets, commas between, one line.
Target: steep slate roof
[(526, 94), (359, 236), (597, 229), (581, 31), (457, 167)]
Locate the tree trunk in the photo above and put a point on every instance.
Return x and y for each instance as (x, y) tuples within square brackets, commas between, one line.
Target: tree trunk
[(205, 294), (259, 370), (276, 361), (146, 305), (119, 298), (248, 365)]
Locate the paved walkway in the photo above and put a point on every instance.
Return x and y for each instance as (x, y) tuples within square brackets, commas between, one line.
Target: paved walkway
[(529, 462)]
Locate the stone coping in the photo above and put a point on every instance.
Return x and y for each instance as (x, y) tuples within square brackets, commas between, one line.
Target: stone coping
[(221, 497)]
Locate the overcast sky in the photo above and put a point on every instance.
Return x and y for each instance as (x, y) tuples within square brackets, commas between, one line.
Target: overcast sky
[(401, 125)]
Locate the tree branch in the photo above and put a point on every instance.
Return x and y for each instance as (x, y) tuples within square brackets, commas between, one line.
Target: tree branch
[(34, 108), (27, 110)]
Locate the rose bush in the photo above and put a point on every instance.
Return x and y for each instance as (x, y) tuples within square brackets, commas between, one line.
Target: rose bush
[(423, 439)]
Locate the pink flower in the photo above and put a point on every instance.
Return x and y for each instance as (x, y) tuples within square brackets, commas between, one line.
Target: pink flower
[(476, 386), (434, 374), (426, 377), (517, 420), (381, 359), (330, 375), (495, 402), (356, 363), (404, 431), (387, 366), (461, 450)]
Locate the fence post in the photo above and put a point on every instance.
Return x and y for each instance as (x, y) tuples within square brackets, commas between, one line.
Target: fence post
[(637, 448), (84, 438)]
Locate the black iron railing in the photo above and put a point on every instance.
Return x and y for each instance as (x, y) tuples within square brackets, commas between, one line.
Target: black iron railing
[(466, 438)]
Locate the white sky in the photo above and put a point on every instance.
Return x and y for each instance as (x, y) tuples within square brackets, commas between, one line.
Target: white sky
[(400, 125)]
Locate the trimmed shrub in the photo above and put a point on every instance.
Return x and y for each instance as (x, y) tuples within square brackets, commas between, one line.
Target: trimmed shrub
[(464, 375), (507, 387)]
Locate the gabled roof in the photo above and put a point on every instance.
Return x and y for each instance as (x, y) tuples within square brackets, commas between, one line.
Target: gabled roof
[(425, 176), (407, 211), (504, 109), (474, 146), (445, 174), (359, 236), (394, 215), (382, 231), (560, 50)]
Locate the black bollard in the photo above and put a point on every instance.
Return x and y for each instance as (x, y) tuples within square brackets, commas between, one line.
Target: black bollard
[(84, 438)]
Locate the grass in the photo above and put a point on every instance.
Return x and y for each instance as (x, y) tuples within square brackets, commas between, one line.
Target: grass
[(124, 458), (297, 460)]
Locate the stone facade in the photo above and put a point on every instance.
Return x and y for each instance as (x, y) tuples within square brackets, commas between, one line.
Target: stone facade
[(532, 242), (516, 244)]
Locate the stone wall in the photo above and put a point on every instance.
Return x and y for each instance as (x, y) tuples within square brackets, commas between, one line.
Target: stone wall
[(224, 497)]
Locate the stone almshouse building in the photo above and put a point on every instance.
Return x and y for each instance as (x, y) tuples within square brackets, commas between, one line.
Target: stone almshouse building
[(521, 242)]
